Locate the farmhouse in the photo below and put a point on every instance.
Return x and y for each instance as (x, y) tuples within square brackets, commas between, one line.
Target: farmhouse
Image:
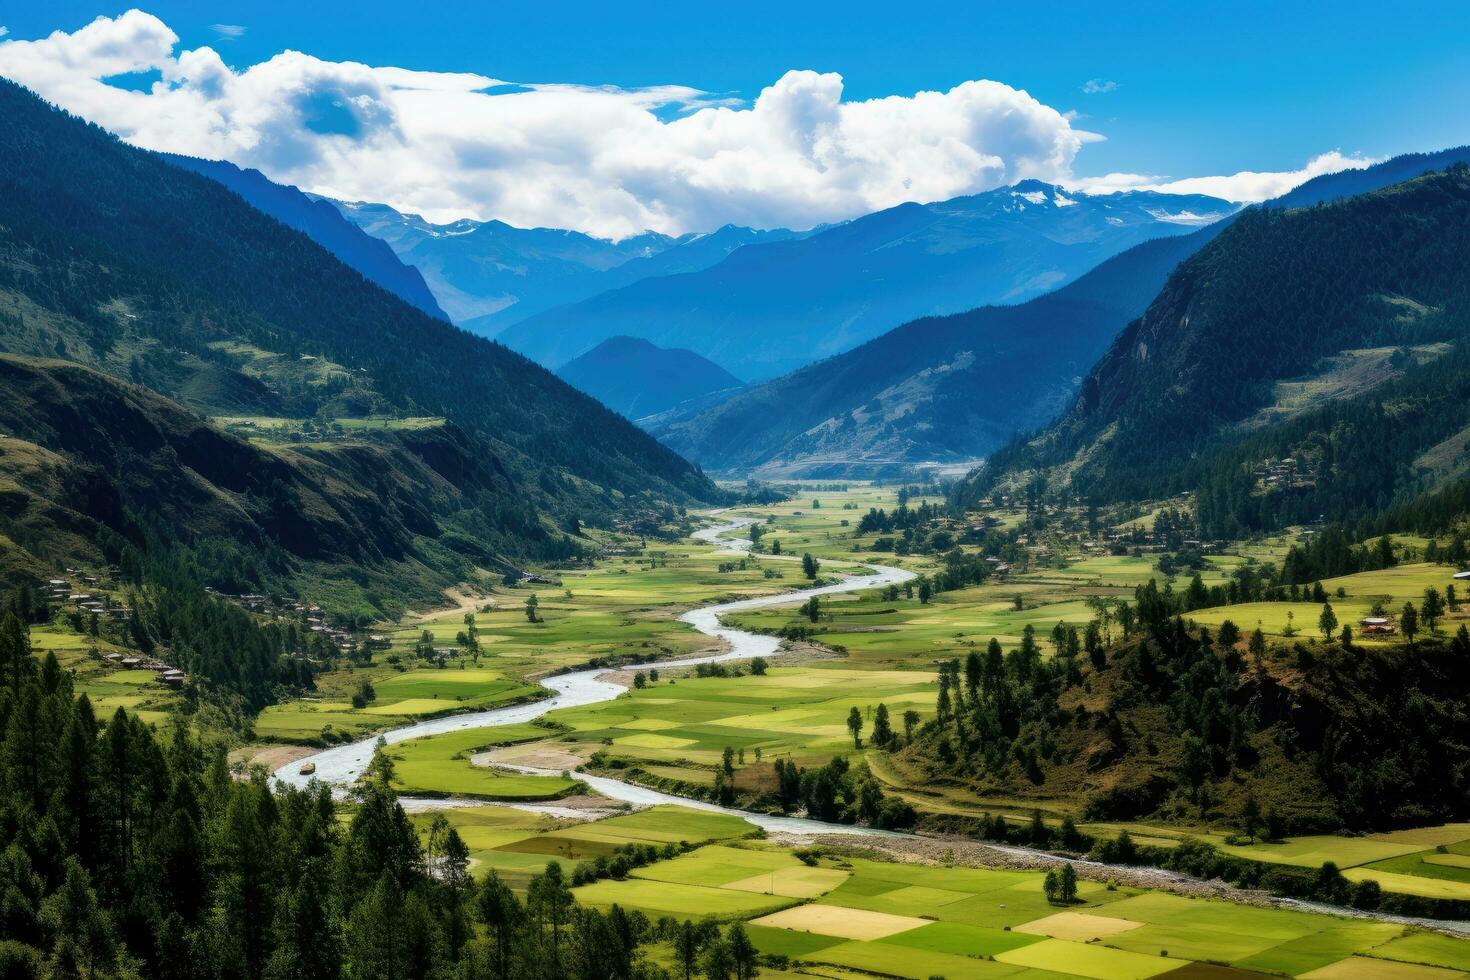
[(1378, 626)]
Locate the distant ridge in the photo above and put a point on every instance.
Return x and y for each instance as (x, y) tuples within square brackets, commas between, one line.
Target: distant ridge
[(636, 378), (772, 307), (956, 388)]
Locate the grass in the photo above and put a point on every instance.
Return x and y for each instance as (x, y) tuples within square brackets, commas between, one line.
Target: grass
[(516, 844), (137, 692), (439, 765), (1391, 586), (1086, 960), (798, 712)]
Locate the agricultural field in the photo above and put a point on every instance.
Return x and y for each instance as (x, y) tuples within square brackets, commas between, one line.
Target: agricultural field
[(1392, 587), (624, 609), (802, 527), (683, 726), (139, 692), (516, 844), (907, 920), (445, 765), (402, 697)]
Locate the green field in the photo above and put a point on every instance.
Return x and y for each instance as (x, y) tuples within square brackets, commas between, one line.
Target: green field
[(921, 921), (439, 765), (796, 712), (107, 686)]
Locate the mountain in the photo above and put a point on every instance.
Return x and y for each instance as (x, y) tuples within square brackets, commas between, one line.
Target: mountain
[(115, 260), (944, 389), (636, 378), (489, 274), (770, 308), (1309, 362), (952, 389), (90, 460), (324, 225)]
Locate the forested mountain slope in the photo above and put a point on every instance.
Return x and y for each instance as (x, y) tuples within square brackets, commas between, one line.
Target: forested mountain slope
[(324, 225), (637, 379), (111, 258), (90, 463), (771, 308), (958, 387), (941, 388), (1328, 340)]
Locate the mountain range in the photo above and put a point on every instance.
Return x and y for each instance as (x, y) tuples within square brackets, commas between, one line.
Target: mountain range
[(489, 274), (951, 389), (770, 308), (186, 299), (1308, 363)]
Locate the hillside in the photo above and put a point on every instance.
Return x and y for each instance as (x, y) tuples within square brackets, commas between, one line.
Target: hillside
[(1175, 725), (90, 463), (324, 225), (942, 388), (636, 378), (186, 290), (952, 389), (771, 308), (489, 274), (1329, 337)]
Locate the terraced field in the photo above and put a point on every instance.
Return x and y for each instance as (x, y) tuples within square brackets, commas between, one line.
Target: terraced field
[(109, 687)]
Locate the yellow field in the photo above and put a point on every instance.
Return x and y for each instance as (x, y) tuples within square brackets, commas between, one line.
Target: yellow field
[(847, 923)]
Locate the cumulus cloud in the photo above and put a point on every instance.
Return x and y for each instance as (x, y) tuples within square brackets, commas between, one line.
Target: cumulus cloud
[(607, 160), (4, 30), (1245, 187), (1099, 86), (228, 32)]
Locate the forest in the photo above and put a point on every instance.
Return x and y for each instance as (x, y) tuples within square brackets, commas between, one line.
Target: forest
[(126, 852)]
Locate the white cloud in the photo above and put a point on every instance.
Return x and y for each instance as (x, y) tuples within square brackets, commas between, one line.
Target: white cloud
[(1099, 86), (228, 32), (4, 30), (603, 159), (1245, 187)]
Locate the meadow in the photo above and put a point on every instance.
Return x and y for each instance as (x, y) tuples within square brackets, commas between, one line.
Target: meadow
[(107, 686)]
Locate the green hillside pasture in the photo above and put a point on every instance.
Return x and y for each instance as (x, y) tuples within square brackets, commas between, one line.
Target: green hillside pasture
[(800, 711), (1391, 586), (137, 692), (439, 765)]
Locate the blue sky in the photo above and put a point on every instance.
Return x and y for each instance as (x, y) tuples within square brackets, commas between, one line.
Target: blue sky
[(1190, 91)]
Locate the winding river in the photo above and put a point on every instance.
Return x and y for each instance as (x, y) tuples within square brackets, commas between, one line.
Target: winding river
[(341, 766)]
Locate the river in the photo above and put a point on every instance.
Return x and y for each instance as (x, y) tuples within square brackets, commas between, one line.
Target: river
[(341, 766)]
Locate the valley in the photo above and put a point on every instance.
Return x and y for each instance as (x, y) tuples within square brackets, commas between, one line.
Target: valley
[(679, 729), (533, 495)]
